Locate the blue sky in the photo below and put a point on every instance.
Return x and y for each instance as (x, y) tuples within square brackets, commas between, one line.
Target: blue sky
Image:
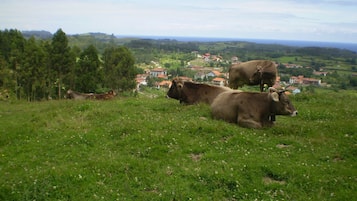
[(312, 20)]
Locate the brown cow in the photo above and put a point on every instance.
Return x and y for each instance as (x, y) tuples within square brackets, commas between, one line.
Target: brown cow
[(78, 96), (84, 96), (106, 96), (190, 92), (255, 72), (252, 109)]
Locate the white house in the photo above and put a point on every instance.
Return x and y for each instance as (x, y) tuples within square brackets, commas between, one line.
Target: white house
[(158, 72)]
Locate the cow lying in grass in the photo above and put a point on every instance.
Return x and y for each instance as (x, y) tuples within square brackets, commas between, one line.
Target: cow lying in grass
[(252, 109), (190, 92), (84, 96)]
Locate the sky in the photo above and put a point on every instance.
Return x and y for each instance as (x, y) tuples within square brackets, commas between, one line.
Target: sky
[(305, 20)]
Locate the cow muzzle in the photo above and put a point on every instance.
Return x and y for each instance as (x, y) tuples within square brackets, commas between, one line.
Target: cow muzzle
[(294, 113)]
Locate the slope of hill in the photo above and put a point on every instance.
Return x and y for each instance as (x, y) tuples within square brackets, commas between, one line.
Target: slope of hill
[(152, 148), (37, 34)]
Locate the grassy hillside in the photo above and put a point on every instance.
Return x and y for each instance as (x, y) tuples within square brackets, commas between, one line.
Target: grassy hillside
[(152, 148)]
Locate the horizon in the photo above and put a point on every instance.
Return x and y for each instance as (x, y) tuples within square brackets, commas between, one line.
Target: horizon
[(219, 38), (293, 43), (174, 37), (320, 20)]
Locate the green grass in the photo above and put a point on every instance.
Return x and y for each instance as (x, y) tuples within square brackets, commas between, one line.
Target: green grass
[(152, 148)]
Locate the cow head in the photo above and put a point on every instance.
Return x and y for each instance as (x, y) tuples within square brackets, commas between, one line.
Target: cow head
[(175, 90), (69, 94), (112, 92), (281, 104), (257, 76)]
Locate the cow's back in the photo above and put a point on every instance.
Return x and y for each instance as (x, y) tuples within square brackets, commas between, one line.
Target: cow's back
[(200, 93), (224, 106), (208, 93)]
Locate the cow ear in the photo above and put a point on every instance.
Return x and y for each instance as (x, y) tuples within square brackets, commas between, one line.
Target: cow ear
[(273, 93), (275, 96)]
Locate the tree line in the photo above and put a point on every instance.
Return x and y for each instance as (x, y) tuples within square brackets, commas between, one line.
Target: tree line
[(33, 69)]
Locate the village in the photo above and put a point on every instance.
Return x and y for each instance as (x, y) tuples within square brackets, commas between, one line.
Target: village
[(217, 76)]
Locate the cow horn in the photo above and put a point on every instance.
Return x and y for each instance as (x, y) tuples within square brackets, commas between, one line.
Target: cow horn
[(272, 89), (282, 91)]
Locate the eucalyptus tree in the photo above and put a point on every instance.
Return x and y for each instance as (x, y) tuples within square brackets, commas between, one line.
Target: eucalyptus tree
[(12, 45), (119, 69), (88, 73), (33, 72), (61, 60)]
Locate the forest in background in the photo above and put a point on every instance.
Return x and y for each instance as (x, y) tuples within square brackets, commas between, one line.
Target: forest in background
[(38, 65), (39, 69)]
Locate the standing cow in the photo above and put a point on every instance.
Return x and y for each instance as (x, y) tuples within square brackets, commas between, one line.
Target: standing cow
[(255, 72), (190, 92), (252, 109)]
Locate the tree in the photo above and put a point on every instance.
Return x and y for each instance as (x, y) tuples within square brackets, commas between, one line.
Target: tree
[(72, 75), (33, 76), (88, 71), (11, 50), (119, 68), (60, 59)]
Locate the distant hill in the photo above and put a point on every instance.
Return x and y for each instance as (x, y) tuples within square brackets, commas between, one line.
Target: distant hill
[(37, 34), (97, 35), (216, 45), (48, 35), (99, 40)]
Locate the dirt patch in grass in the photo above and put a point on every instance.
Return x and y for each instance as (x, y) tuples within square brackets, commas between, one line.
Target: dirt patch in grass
[(195, 157), (268, 180), (282, 146)]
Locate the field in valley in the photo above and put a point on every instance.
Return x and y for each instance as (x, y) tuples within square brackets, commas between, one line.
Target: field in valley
[(152, 148)]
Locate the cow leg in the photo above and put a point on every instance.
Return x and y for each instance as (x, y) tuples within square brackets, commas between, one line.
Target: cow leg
[(272, 117), (248, 123), (262, 86)]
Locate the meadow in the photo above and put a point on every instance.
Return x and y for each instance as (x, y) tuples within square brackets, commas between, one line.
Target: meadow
[(149, 147)]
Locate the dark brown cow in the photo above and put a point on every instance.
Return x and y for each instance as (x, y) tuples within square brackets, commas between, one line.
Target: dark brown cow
[(252, 109), (106, 96), (191, 92), (84, 96), (255, 72)]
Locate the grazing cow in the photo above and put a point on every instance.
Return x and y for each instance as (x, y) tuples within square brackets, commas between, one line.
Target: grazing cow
[(84, 96), (191, 92), (255, 72), (252, 109)]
